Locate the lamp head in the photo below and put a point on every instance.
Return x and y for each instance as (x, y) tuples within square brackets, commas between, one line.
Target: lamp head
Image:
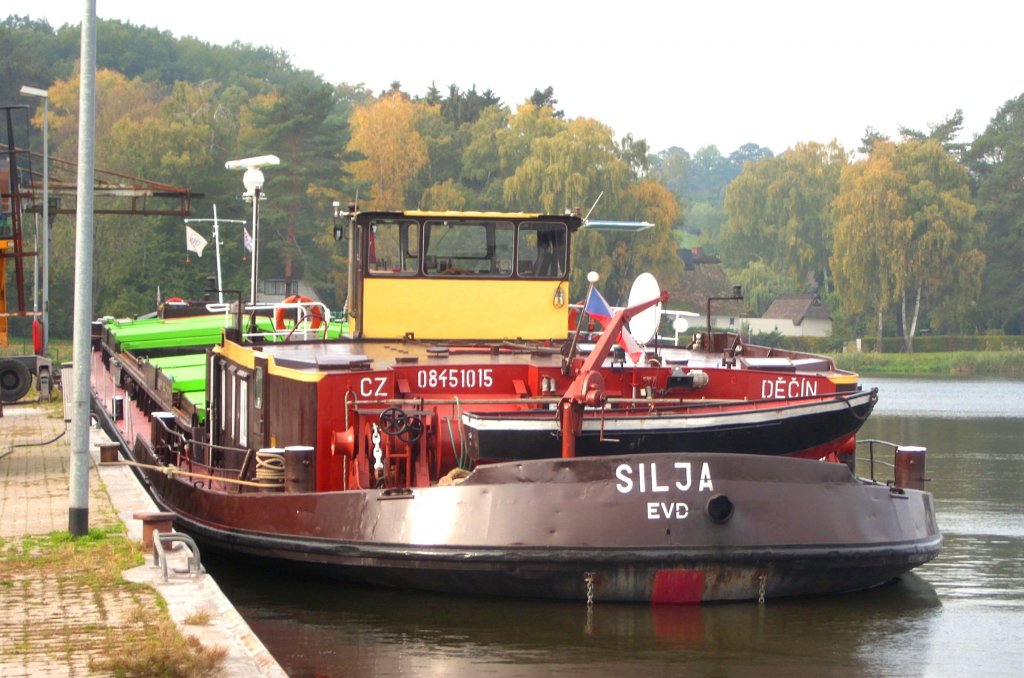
[(35, 92)]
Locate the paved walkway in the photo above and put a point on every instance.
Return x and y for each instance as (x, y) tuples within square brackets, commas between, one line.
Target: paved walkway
[(50, 626)]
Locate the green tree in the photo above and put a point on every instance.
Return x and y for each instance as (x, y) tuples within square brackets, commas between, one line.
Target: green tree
[(944, 132), (996, 158), (462, 108), (708, 173), (652, 250), (297, 123), (946, 262), (636, 153), (779, 211), (748, 153), (444, 196), (515, 140), (444, 148), (28, 48), (569, 169), (546, 99), (699, 184), (871, 235), (669, 167), (761, 285), (707, 221), (907, 233), (482, 171)]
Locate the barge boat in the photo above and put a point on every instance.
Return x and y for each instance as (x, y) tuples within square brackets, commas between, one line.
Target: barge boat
[(354, 457)]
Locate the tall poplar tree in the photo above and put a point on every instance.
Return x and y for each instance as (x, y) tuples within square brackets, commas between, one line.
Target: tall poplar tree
[(906, 233)]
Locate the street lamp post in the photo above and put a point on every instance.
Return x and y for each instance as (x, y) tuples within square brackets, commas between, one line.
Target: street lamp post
[(252, 180), (45, 284)]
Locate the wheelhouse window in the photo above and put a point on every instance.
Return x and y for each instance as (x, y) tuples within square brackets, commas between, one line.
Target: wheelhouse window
[(468, 248), (542, 251), (393, 248)]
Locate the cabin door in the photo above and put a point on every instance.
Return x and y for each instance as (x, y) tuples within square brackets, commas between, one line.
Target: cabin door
[(258, 405)]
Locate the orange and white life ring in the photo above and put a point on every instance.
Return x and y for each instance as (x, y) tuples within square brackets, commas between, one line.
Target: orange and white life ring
[(174, 300), (315, 315)]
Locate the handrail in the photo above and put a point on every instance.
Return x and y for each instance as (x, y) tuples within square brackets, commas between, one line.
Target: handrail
[(305, 311), (871, 442), (212, 446), (182, 440)]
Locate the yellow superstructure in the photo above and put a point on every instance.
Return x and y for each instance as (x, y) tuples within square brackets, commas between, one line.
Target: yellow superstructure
[(465, 309), (459, 275)]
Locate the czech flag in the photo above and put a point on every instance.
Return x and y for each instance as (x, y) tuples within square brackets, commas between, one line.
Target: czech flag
[(598, 309)]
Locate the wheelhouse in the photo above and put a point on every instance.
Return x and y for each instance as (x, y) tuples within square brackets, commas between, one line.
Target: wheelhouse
[(459, 275)]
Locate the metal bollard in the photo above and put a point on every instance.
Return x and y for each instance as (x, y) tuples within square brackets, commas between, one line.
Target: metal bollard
[(910, 465)]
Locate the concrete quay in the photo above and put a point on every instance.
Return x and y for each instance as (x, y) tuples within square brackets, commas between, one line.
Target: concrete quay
[(53, 628)]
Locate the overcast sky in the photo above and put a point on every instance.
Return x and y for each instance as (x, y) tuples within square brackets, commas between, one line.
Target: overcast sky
[(676, 73)]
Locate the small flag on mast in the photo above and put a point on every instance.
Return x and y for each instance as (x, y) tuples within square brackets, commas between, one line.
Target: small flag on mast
[(246, 239), (194, 242), (597, 308)]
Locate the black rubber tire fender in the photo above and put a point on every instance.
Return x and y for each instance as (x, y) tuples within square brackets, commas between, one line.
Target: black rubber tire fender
[(15, 380)]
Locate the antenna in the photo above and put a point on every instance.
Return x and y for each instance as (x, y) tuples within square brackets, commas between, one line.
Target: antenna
[(599, 196)]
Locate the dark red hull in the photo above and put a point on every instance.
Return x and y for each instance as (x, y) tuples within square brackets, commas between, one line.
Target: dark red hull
[(659, 528)]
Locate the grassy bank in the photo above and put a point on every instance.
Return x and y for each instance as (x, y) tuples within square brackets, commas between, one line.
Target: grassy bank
[(1008, 364), (119, 628)]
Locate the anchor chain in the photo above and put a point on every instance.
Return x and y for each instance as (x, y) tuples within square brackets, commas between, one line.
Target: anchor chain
[(762, 580), (588, 577), (378, 456)]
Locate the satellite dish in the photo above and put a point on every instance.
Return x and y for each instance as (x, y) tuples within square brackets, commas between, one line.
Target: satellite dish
[(644, 325)]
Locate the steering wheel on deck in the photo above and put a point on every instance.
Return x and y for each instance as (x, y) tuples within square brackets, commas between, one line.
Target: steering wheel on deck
[(413, 430), (393, 421)]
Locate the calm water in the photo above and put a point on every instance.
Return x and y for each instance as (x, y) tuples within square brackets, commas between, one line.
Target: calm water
[(962, 614)]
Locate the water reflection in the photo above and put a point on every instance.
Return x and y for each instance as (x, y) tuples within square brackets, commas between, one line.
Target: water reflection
[(330, 629)]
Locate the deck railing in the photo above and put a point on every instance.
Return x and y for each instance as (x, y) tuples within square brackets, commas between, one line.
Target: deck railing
[(871, 443)]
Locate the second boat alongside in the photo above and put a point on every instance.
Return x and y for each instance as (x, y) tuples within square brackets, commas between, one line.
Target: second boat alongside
[(369, 457), (812, 427)]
